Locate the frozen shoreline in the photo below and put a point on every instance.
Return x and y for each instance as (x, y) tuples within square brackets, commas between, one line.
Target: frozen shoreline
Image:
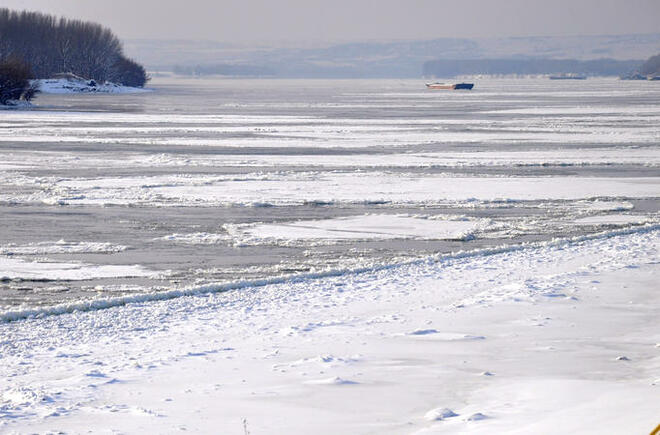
[(341, 256), (533, 339), (112, 302), (72, 86)]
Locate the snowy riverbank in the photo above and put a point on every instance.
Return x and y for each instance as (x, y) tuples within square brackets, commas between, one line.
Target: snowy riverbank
[(81, 86), (552, 338)]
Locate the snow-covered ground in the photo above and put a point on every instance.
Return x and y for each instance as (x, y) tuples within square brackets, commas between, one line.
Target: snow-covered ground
[(272, 256), (553, 338), (75, 86)]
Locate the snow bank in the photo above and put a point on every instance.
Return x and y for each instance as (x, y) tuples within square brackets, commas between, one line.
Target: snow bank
[(16, 105), (80, 86), (209, 363)]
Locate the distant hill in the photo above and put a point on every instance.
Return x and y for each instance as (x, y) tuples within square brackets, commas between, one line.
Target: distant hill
[(223, 69), (388, 59), (597, 67), (651, 67)]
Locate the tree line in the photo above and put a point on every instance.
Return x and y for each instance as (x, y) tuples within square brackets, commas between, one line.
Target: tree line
[(651, 67), (596, 67), (51, 45)]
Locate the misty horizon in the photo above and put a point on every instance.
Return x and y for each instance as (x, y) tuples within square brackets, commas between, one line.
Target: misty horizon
[(297, 23), (602, 55), (313, 44)]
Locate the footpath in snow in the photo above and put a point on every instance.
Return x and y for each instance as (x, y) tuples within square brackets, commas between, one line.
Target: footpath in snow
[(555, 338)]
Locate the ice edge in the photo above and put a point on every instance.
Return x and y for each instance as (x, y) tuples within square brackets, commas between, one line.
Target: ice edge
[(101, 304)]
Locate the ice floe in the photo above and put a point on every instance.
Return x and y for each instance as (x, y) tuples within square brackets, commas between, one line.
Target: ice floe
[(19, 269), (295, 188), (60, 247), (375, 226), (613, 219)]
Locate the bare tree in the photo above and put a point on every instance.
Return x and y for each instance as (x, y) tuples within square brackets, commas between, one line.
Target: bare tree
[(51, 45)]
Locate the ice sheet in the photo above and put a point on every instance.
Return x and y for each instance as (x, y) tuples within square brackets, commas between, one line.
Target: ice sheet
[(19, 269), (60, 247), (336, 188), (21, 160), (367, 227), (612, 219)]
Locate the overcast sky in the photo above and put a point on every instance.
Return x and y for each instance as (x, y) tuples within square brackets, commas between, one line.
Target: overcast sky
[(301, 21)]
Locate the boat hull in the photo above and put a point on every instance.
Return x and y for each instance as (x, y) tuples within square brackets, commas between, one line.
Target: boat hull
[(449, 86)]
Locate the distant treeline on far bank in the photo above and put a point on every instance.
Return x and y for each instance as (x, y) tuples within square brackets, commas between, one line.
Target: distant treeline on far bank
[(50, 45), (528, 66)]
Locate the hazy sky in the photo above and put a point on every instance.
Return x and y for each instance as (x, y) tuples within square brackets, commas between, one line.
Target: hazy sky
[(301, 21)]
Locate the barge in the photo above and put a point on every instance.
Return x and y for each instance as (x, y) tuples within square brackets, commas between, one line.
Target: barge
[(450, 86)]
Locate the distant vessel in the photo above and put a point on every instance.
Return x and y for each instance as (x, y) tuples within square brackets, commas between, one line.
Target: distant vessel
[(450, 86), (571, 76), (638, 76)]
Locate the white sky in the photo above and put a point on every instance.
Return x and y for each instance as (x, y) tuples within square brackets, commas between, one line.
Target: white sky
[(303, 21)]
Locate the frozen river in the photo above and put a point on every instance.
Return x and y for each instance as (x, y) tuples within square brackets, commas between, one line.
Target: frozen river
[(211, 181)]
